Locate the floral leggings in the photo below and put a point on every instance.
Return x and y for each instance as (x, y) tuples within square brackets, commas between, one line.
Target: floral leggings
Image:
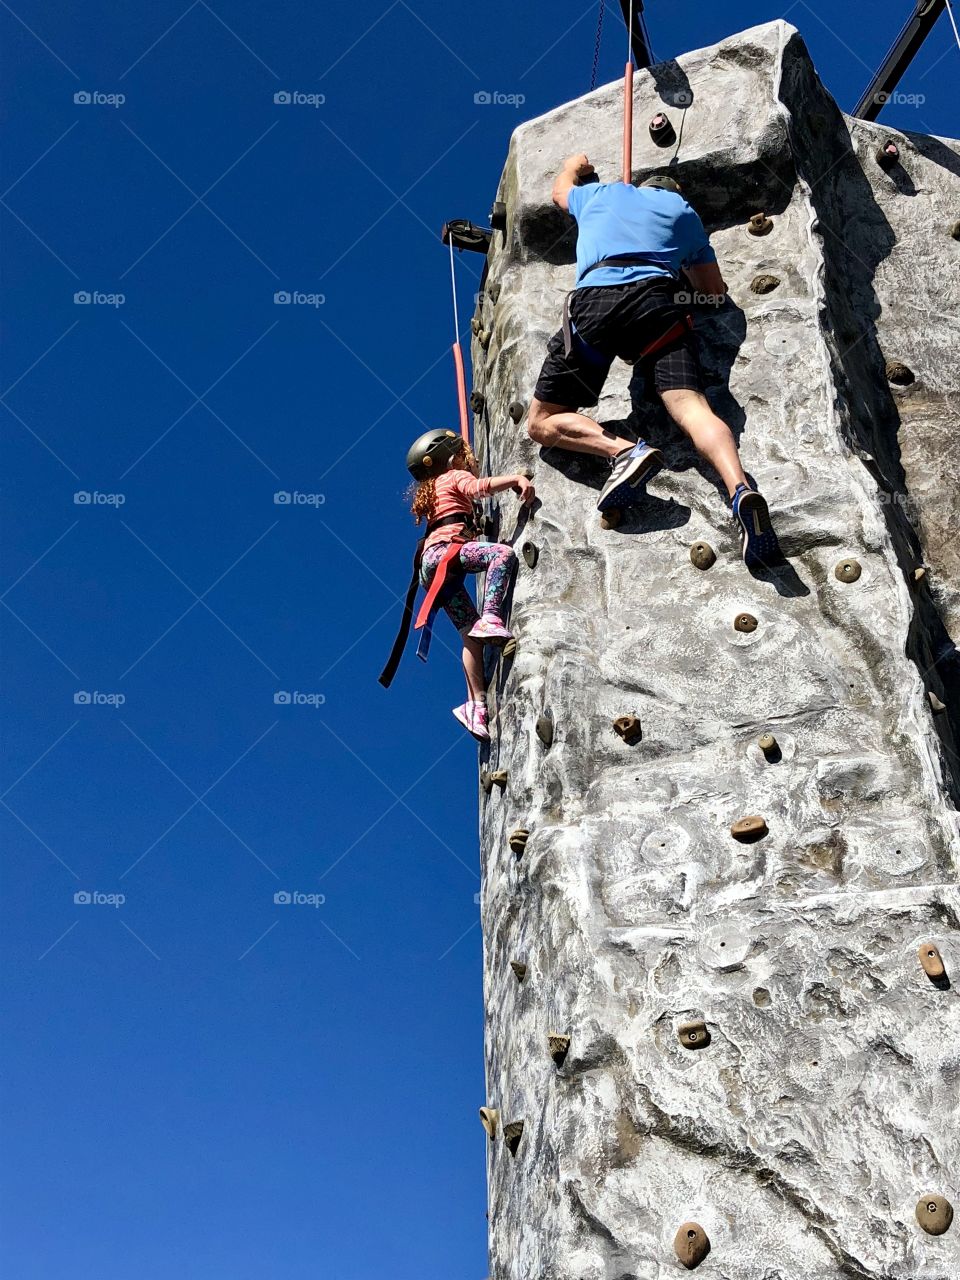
[(497, 558)]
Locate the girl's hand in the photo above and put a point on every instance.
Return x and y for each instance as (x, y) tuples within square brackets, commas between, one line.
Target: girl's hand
[(525, 489)]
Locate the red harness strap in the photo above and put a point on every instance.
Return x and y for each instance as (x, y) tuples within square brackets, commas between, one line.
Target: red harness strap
[(451, 552), (673, 333)]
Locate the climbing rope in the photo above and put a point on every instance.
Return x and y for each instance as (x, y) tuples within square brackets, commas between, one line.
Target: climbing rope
[(953, 22), (458, 356), (596, 47), (628, 106)]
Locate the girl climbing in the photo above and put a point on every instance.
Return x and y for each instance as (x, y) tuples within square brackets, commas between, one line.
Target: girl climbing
[(445, 497)]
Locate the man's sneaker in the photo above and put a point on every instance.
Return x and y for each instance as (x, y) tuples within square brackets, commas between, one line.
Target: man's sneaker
[(631, 469), (473, 717), (760, 545), (490, 630)]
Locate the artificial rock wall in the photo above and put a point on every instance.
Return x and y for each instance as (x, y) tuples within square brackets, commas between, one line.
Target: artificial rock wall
[(825, 1104)]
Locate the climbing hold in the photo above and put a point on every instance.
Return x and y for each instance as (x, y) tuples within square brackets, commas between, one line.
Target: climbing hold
[(932, 961), (765, 284), (662, 131), (527, 472), (888, 155), (693, 1035), (770, 747), (494, 291), (629, 729), (745, 622), (748, 830), (611, 518), (919, 573), (559, 1047), (475, 325), (512, 1134), (936, 706), (934, 1214), (899, 374), (498, 216), (498, 778), (955, 231), (518, 840), (509, 649), (489, 1116), (477, 401), (483, 337), (848, 571), (516, 410), (691, 1244), (760, 225), (703, 555), (519, 969), (545, 730), (530, 554)]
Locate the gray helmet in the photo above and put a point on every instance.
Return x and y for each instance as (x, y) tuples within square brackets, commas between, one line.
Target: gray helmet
[(429, 453), (661, 180)]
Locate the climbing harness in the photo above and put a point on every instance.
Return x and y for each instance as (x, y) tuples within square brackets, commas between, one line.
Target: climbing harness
[(676, 330)]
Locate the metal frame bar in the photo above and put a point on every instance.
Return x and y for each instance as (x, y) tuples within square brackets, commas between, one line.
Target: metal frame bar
[(898, 60), (638, 40)]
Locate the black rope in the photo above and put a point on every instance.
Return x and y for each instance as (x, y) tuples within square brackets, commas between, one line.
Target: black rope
[(596, 48)]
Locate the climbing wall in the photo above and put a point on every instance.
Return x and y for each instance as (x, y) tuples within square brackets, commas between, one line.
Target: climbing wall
[(704, 1033)]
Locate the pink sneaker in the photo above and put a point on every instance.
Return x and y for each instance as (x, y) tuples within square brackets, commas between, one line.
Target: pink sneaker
[(473, 717), (491, 630)]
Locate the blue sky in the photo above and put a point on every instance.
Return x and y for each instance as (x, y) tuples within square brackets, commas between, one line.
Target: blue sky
[(198, 1081)]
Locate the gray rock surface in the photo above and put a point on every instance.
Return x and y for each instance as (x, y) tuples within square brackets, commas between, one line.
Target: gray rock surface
[(826, 1102)]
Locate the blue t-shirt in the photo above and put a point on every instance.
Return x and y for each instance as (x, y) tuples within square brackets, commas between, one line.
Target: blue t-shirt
[(614, 218)]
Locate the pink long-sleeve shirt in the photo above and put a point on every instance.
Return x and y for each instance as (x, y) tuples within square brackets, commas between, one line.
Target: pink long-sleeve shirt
[(456, 492)]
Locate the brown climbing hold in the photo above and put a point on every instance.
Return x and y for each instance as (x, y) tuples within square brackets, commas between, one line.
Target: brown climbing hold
[(888, 155), (509, 649), (611, 518), (519, 969), (489, 1117), (749, 829), (934, 1213), (531, 554), (516, 410), (769, 746), (475, 325), (559, 1047), (955, 231), (691, 1244), (702, 555), (518, 840), (848, 570), (483, 337), (919, 574), (545, 730), (512, 1134), (498, 778), (745, 622), (765, 284), (629, 729), (936, 706), (760, 225), (899, 374), (693, 1035), (477, 401), (932, 961)]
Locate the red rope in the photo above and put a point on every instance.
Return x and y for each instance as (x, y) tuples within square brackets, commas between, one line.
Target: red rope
[(461, 392)]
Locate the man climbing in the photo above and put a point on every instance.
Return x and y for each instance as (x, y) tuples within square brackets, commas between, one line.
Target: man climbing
[(632, 244)]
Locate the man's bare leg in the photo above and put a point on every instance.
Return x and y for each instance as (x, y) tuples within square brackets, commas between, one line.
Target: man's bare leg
[(711, 436), (557, 426)]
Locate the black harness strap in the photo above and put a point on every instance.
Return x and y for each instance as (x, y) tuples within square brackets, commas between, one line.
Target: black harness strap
[(396, 653)]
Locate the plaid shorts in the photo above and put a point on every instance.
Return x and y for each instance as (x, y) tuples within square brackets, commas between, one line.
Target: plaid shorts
[(618, 321)]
